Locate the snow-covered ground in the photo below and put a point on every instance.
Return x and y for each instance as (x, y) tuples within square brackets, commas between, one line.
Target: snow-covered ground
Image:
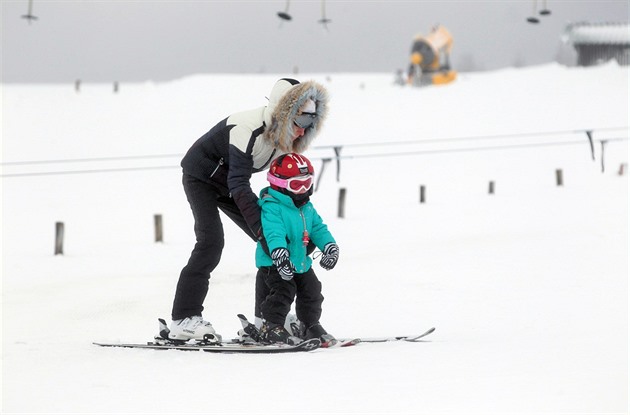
[(528, 287)]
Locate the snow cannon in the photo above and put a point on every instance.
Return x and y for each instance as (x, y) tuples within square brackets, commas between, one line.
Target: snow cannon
[(430, 57)]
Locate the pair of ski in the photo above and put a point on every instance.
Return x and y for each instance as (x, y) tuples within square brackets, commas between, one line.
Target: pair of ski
[(214, 345)]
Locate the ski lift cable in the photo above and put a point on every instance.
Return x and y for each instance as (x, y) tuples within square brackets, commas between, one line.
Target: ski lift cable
[(473, 149), (372, 144), (481, 137), (66, 172), (89, 160), (348, 156)]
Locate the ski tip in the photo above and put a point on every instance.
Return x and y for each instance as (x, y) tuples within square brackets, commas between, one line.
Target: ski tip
[(241, 316), (351, 342), (421, 337), (162, 321), (310, 344)]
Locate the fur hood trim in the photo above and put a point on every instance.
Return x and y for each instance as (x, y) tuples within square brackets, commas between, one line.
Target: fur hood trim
[(287, 97)]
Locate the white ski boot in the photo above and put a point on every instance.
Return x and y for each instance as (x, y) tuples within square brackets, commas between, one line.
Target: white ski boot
[(194, 327)]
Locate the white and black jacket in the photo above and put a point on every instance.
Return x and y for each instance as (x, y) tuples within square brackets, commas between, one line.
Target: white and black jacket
[(246, 142)]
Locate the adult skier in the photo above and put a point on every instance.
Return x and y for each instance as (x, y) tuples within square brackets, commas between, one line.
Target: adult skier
[(216, 176)]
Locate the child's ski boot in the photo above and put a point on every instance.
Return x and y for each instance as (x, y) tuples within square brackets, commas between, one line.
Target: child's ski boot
[(276, 333), (316, 331)]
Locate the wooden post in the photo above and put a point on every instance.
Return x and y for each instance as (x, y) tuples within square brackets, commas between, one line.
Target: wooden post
[(559, 181), (422, 194), (59, 232), (159, 231), (491, 188), (622, 168), (589, 134), (321, 173), (341, 211), (337, 153)]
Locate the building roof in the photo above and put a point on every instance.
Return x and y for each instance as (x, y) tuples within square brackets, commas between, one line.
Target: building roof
[(597, 33)]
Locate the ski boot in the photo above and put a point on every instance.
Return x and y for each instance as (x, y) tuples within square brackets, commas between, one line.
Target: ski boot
[(316, 331), (195, 328), (249, 334), (294, 326), (271, 333)]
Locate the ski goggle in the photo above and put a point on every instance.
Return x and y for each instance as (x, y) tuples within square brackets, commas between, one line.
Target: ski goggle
[(305, 120), (298, 184)]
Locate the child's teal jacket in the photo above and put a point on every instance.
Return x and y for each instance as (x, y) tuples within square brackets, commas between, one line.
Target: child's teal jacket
[(283, 226)]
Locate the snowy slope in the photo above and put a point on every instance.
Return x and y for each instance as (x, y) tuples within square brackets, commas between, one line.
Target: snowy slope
[(528, 288)]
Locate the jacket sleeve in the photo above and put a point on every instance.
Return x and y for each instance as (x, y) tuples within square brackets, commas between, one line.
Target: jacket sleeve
[(320, 235), (240, 169)]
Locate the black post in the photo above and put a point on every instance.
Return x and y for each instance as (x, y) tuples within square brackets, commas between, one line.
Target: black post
[(559, 181), (337, 153), (422, 194), (159, 231), (341, 211), (321, 173), (59, 234), (589, 134)]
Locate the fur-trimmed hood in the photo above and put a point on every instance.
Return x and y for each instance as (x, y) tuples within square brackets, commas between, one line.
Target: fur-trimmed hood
[(285, 100)]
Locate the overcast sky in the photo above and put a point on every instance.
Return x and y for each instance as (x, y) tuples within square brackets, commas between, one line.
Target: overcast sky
[(161, 40)]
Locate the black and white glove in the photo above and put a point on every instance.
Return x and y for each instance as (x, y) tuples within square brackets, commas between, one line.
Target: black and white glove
[(281, 260), (330, 256)]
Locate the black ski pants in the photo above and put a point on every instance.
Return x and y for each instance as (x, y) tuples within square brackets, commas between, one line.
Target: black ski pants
[(274, 296), (205, 201)]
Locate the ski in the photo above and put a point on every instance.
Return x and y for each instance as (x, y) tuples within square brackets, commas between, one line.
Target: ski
[(411, 338), (305, 346), (213, 344), (247, 342), (249, 334)]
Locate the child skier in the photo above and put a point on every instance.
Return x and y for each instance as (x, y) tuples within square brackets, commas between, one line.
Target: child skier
[(289, 222)]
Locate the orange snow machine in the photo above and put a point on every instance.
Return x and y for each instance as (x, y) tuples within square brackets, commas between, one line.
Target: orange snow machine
[(430, 59)]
